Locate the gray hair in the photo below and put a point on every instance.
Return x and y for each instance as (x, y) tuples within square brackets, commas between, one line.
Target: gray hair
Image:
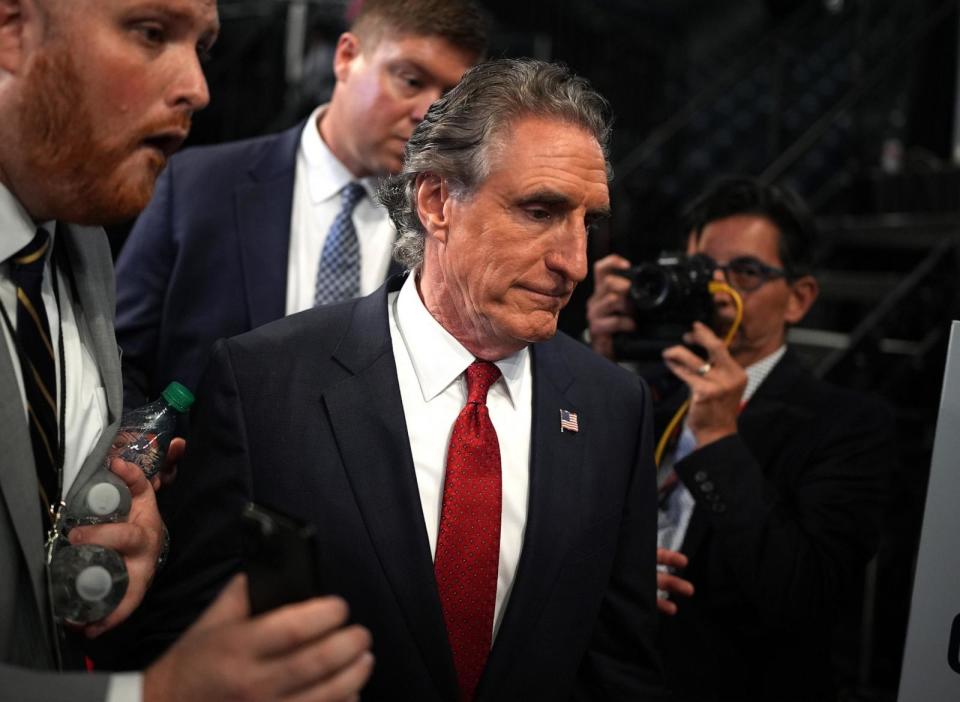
[(460, 134)]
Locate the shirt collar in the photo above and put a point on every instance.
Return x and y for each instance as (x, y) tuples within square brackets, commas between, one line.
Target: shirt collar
[(438, 358), (17, 228), (326, 176), (758, 372)]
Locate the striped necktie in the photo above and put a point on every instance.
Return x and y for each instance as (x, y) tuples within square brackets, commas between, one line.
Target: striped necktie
[(338, 276), (38, 367)]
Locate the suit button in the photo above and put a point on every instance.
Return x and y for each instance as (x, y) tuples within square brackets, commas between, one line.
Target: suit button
[(700, 476), (711, 497), (718, 507), (707, 486)]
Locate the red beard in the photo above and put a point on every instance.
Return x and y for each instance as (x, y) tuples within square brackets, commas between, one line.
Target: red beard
[(84, 183)]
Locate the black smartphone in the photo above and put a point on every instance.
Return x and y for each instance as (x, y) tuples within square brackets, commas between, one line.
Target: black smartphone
[(280, 556)]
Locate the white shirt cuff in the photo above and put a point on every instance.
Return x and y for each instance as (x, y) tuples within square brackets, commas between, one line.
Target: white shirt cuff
[(125, 687)]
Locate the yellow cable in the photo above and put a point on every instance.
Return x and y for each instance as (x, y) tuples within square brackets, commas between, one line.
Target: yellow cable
[(668, 432), (715, 286)]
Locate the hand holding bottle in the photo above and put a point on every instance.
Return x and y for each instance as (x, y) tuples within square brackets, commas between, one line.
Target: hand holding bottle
[(146, 432), (105, 549), (112, 593)]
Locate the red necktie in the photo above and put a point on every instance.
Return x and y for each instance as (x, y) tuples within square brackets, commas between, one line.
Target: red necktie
[(468, 542)]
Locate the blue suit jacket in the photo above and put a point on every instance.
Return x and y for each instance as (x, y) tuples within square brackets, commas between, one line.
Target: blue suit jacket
[(207, 259), (305, 414)]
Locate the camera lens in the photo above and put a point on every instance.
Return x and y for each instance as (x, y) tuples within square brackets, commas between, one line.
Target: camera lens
[(650, 287), (668, 296)]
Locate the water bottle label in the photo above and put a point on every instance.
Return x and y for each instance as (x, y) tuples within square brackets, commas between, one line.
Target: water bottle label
[(140, 448)]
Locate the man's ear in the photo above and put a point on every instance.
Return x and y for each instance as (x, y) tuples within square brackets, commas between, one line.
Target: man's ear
[(432, 197), (803, 293), (348, 49), (11, 35)]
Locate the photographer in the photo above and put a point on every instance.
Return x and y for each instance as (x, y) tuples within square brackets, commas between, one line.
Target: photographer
[(771, 488)]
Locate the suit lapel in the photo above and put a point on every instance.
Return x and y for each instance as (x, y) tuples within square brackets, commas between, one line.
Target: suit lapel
[(89, 258), (757, 423), (553, 516), (263, 206), (367, 404)]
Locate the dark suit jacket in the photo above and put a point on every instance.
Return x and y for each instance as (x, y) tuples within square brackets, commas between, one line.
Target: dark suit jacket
[(305, 414), (206, 260), (786, 517)]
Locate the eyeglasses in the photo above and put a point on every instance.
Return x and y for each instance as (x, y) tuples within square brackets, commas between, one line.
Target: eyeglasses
[(746, 273)]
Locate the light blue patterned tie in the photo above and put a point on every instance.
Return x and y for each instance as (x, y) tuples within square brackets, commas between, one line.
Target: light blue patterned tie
[(338, 277)]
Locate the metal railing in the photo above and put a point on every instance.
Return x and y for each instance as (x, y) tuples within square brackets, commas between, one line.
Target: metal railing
[(867, 84)]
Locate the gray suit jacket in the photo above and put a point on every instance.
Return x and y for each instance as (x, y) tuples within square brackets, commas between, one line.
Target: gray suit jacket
[(26, 629)]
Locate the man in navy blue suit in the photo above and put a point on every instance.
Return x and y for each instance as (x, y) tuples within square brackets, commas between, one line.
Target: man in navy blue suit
[(482, 487), (244, 233)]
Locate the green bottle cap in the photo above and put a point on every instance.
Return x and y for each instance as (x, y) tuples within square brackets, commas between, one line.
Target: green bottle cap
[(178, 397)]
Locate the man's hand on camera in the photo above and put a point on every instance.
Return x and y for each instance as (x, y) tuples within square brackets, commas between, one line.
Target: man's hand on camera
[(608, 309), (716, 384)]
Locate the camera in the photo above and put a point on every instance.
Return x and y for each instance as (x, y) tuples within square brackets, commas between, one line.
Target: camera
[(668, 296), (675, 289)]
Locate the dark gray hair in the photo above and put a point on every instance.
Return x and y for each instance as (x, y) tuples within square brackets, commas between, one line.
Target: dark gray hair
[(459, 135)]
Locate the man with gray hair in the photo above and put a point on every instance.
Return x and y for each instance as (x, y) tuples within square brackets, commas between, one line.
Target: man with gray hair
[(482, 487)]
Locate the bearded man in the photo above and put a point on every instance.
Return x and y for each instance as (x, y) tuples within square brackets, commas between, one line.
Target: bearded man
[(78, 149)]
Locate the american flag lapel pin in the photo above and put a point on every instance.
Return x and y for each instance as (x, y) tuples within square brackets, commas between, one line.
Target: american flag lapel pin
[(568, 421)]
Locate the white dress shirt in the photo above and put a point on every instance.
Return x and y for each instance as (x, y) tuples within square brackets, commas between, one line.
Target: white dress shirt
[(85, 411), (316, 201), (433, 388)]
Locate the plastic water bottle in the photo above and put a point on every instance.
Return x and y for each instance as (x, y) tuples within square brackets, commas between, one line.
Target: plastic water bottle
[(88, 581), (104, 498), (145, 432), (143, 439)]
